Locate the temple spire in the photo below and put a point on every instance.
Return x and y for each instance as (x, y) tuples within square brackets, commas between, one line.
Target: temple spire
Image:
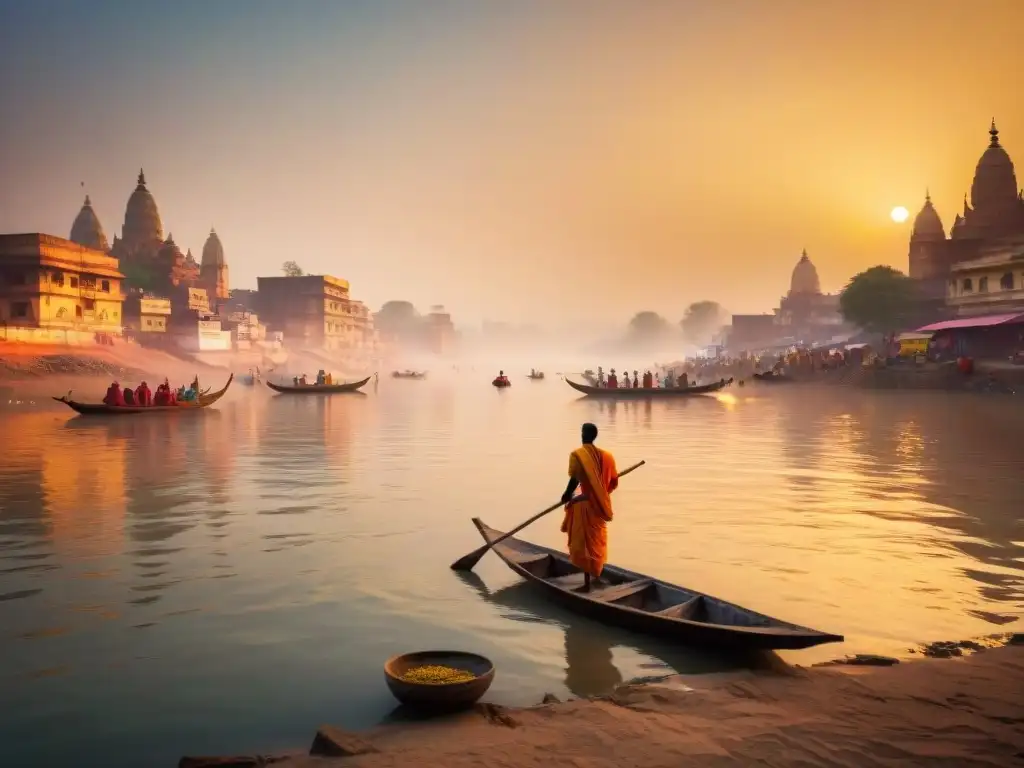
[(994, 133), (142, 179)]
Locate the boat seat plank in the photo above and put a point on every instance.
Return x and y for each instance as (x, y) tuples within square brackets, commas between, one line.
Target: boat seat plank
[(692, 610), (619, 591)]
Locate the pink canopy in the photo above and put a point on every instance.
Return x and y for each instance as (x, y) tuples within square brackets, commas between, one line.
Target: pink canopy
[(973, 322)]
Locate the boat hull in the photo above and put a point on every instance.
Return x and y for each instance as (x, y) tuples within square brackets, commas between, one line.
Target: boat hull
[(101, 409), (640, 393), (758, 633), (313, 389)]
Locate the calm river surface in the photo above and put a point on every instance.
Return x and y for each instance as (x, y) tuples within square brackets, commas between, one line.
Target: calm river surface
[(227, 582)]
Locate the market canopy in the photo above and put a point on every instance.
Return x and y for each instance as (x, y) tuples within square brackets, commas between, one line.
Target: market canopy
[(973, 322)]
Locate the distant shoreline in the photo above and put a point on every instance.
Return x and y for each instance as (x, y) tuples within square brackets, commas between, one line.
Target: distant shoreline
[(845, 713)]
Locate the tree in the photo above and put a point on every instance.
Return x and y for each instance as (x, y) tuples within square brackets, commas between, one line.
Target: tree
[(139, 276), (648, 326), (702, 320), (291, 269), (880, 300)]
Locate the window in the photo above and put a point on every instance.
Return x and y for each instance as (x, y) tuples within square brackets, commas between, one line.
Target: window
[(105, 286), (57, 278), (90, 304), (1006, 281), (74, 282), (983, 285), (20, 309), (78, 310), (968, 285)]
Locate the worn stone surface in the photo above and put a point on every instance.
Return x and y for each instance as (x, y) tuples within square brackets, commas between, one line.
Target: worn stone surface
[(331, 741)]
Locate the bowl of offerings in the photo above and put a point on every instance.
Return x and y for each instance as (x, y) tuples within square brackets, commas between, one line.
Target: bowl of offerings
[(438, 681)]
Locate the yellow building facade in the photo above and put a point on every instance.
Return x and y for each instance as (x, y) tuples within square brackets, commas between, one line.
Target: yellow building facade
[(993, 283), (48, 282)]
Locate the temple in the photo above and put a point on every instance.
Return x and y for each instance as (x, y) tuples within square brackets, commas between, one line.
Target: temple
[(150, 261), (993, 213), (805, 312)]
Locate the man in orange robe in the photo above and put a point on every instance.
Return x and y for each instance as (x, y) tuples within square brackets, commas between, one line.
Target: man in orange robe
[(586, 521)]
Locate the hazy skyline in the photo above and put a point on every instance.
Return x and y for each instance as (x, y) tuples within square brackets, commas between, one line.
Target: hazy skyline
[(555, 161)]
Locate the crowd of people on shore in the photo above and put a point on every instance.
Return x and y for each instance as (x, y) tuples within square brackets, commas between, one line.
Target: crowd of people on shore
[(143, 396)]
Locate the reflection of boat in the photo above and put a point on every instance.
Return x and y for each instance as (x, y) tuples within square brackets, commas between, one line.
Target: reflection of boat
[(770, 377), (640, 393), (101, 409), (590, 665), (637, 602), (250, 380), (318, 389), (408, 375)]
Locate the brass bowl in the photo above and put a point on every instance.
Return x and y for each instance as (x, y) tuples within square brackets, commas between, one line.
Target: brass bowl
[(444, 697)]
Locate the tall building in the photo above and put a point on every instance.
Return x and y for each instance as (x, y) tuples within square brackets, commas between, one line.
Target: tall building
[(150, 261), (213, 271), (52, 283), (806, 313), (315, 311), (993, 212)]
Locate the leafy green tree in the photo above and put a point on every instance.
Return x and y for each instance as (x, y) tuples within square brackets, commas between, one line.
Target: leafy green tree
[(292, 269), (702, 320), (880, 300)]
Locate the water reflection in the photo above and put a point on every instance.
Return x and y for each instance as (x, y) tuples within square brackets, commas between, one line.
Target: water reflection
[(590, 667)]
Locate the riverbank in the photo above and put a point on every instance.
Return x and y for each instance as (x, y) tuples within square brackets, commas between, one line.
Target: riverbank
[(961, 711)]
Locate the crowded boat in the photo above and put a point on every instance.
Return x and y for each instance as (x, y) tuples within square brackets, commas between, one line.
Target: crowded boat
[(322, 380), (648, 380), (142, 396)]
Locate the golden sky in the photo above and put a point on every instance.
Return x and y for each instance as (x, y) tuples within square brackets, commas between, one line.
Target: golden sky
[(561, 162)]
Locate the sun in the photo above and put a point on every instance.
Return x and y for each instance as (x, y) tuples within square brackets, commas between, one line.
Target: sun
[(900, 214)]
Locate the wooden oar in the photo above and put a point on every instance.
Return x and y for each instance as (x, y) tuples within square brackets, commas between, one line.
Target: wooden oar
[(467, 562)]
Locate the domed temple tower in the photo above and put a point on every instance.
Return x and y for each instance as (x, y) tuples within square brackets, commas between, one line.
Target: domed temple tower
[(805, 277), (142, 225), (213, 272), (87, 230), (994, 211)]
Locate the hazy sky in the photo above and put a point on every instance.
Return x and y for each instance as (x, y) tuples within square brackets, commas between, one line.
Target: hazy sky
[(570, 160)]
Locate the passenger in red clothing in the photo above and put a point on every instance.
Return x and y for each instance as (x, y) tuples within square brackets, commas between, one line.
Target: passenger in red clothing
[(142, 395), (114, 395)]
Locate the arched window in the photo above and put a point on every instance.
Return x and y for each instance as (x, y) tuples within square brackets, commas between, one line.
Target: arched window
[(1006, 281), (968, 285)]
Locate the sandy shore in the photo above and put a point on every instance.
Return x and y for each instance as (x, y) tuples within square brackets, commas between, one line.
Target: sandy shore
[(958, 712)]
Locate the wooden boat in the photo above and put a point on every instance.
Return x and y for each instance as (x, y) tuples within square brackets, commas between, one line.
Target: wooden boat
[(204, 400), (408, 375), (628, 393), (771, 377), (536, 376), (637, 602), (318, 389), (501, 384)]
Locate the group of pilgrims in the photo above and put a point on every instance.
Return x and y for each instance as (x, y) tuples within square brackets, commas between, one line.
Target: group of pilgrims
[(647, 381), (142, 395), (322, 379)]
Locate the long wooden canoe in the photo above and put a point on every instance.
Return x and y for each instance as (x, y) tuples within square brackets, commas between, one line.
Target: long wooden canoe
[(318, 389), (637, 602), (204, 400), (408, 375), (640, 393)]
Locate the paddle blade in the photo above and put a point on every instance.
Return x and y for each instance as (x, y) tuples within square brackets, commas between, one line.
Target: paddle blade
[(467, 562)]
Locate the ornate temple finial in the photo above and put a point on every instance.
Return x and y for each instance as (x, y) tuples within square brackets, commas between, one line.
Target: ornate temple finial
[(142, 178), (803, 255), (994, 133), (170, 239), (213, 231), (87, 203), (927, 195)]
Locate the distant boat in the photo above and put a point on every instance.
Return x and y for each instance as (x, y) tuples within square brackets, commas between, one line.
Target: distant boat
[(408, 375), (318, 389), (642, 393), (538, 376)]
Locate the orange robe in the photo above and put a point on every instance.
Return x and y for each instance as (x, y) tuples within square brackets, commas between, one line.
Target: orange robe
[(585, 521)]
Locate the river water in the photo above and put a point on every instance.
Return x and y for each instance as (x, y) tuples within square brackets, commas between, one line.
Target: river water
[(227, 581)]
